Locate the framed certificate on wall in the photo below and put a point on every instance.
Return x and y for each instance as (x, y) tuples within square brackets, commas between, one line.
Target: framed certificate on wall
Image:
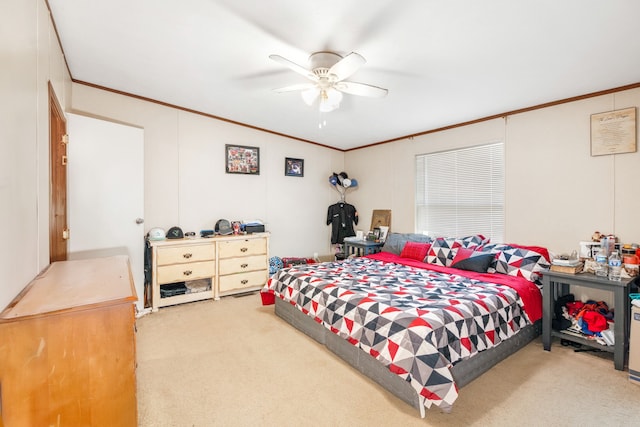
[(613, 132)]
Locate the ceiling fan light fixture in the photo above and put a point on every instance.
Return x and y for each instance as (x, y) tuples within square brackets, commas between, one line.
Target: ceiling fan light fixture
[(309, 96), (327, 73), (330, 100)]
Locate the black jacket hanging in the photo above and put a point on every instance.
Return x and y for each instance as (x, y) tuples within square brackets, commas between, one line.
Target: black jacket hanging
[(341, 216)]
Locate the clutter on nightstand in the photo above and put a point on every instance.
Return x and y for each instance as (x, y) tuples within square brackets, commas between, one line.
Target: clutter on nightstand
[(567, 263), (597, 257)]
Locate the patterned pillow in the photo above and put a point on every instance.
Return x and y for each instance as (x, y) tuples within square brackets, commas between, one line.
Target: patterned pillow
[(468, 259), (415, 250), (443, 249), (495, 249), (474, 240), (521, 262), (441, 252)]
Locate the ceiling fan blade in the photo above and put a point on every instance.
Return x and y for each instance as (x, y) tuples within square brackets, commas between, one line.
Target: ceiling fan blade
[(347, 66), (295, 67), (361, 89), (293, 88)]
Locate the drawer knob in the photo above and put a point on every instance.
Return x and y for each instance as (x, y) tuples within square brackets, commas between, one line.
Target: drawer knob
[(244, 282), (187, 255), (187, 272), (244, 249), (244, 265)]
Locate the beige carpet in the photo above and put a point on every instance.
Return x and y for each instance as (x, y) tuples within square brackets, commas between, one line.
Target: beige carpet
[(233, 362)]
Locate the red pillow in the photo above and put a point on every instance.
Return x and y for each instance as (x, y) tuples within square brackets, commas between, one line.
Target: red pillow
[(462, 253), (415, 250)]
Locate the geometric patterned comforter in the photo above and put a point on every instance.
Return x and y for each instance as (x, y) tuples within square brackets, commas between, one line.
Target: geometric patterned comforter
[(415, 321)]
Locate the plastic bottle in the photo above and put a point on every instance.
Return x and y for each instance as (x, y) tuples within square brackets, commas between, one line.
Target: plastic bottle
[(602, 265), (615, 265)]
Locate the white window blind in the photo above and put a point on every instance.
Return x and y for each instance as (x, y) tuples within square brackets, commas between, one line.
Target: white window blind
[(461, 192)]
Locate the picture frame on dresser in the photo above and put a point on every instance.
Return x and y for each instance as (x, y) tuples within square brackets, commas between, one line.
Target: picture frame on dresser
[(242, 159)]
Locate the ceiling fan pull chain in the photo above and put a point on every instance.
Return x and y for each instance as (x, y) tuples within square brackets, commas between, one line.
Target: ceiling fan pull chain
[(322, 120)]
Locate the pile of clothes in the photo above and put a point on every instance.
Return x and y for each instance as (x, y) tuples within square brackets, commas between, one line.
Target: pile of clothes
[(591, 318)]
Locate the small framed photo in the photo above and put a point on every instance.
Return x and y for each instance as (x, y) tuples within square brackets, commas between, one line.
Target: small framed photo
[(293, 167), (376, 233), (242, 159)]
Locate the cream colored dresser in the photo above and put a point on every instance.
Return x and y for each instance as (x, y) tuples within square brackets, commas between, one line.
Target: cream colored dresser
[(209, 267), (243, 264), (182, 260)]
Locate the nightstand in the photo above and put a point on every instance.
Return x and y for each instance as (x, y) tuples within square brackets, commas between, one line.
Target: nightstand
[(361, 247), (557, 284)]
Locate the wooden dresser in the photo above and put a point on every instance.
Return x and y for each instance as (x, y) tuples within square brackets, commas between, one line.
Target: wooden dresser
[(67, 347), (205, 268)]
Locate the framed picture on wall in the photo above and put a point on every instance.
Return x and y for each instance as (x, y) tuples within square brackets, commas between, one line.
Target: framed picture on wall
[(242, 159), (613, 132), (293, 167)]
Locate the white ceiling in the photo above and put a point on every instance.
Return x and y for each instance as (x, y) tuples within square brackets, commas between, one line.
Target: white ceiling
[(443, 62)]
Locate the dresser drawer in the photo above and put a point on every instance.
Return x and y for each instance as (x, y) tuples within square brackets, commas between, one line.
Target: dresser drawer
[(182, 254), (184, 272), (235, 248), (251, 279), (242, 264)]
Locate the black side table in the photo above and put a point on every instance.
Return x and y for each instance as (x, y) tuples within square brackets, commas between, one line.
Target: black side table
[(557, 284), (361, 247)]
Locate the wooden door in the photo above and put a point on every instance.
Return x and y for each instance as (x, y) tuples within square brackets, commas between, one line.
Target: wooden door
[(58, 232)]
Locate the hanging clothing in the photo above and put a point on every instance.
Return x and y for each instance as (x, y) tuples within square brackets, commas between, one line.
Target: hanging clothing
[(342, 216)]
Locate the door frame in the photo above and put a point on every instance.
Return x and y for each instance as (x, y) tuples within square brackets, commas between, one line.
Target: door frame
[(58, 232)]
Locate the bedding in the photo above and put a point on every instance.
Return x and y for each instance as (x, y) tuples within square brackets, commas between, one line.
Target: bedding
[(417, 319)]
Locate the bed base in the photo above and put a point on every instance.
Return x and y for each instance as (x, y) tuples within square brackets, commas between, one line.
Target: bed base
[(463, 372)]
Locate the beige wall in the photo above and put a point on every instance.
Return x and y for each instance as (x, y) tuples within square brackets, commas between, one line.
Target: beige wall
[(556, 193), (186, 184), (30, 59)]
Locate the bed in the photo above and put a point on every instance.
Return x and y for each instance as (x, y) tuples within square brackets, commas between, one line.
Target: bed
[(418, 320)]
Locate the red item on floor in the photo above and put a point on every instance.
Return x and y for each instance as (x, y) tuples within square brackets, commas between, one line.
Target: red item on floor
[(267, 298)]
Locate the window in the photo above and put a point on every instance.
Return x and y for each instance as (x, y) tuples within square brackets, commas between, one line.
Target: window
[(461, 192)]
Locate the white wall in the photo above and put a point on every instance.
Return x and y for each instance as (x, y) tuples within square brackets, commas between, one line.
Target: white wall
[(186, 184), (30, 58), (557, 194)]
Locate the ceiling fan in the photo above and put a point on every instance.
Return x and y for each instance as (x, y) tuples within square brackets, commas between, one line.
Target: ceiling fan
[(327, 72)]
